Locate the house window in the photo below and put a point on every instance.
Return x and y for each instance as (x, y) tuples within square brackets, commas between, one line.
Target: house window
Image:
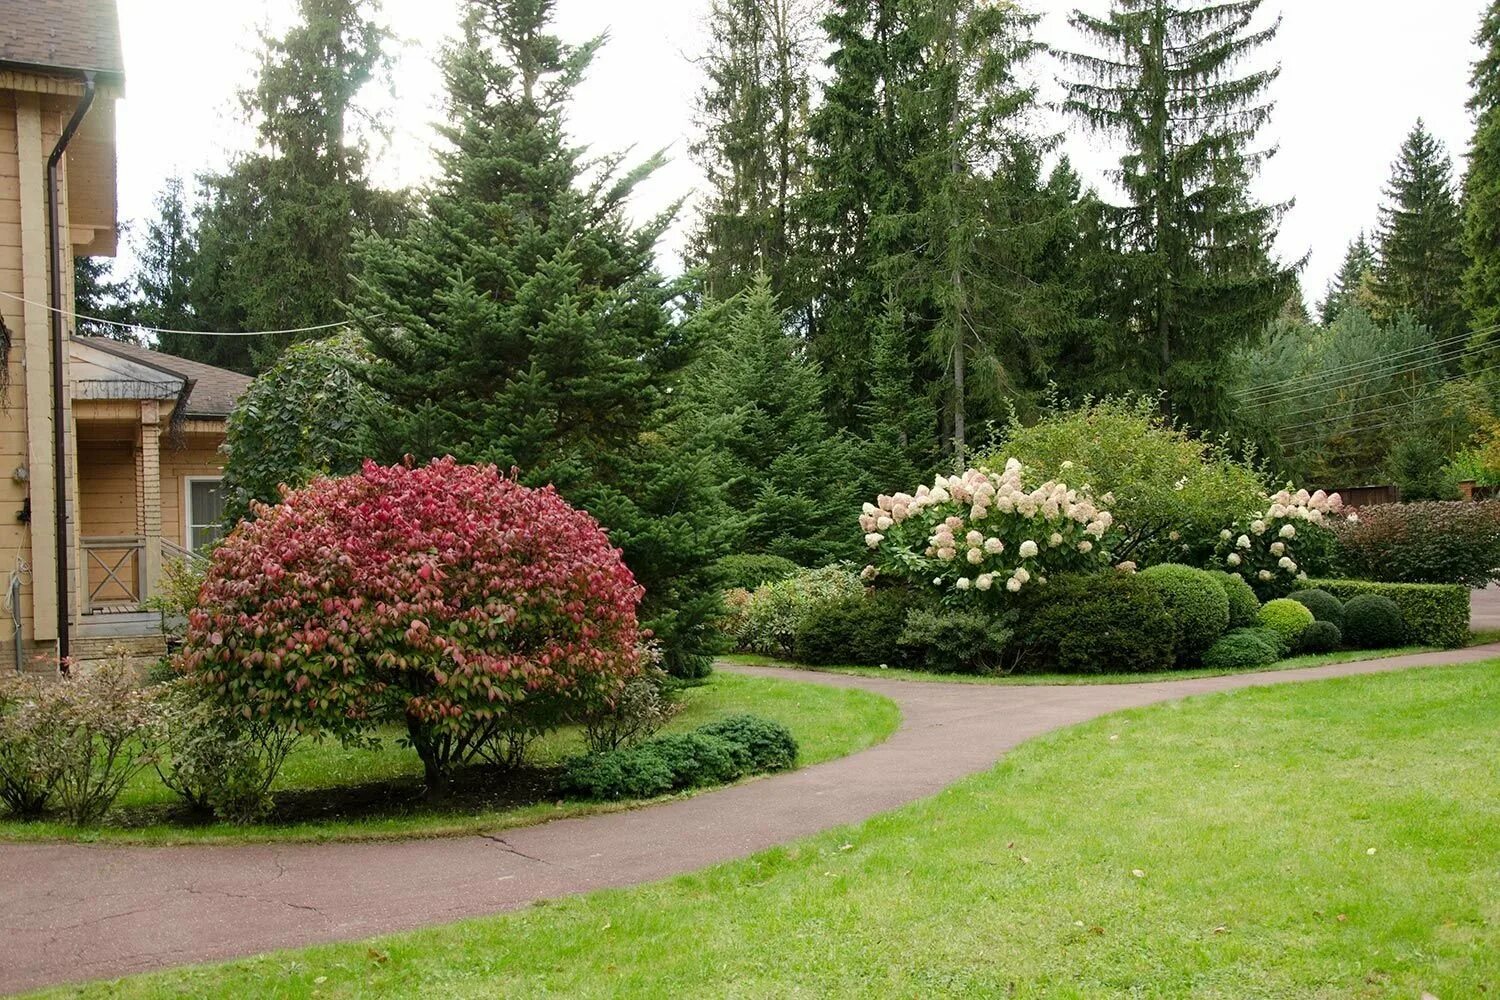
[(205, 511)]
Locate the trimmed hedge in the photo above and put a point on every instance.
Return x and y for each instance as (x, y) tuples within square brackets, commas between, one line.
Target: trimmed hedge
[(1244, 647), (1244, 606), (1320, 637), (1323, 605), (860, 631), (709, 755), (1287, 619), (1436, 614), (1198, 604), (1102, 623), (1374, 622)]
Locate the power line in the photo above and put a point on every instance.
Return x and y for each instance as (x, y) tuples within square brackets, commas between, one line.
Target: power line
[(1387, 392), (1288, 384), (1380, 409), (192, 333)]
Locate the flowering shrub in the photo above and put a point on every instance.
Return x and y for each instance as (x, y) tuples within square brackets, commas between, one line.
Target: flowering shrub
[(1424, 543), (774, 613), (984, 532), (443, 596), (1288, 540)]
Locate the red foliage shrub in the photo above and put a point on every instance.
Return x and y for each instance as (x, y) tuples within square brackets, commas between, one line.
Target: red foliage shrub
[(445, 596), (1423, 543)]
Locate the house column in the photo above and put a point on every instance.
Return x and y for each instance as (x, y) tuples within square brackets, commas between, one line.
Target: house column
[(148, 471)]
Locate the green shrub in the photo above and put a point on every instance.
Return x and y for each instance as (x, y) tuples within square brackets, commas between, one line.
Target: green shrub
[(863, 630), (765, 745), (775, 611), (748, 571), (1321, 637), (1287, 619), (952, 641), (32, 720), (1434, 614), (1198, 604), (1323, 605), (712, 754), (1454, 543), (1274, 639), (1244, 606), (644, 705), (1244, 647), (1372, 621), (1097, 624)]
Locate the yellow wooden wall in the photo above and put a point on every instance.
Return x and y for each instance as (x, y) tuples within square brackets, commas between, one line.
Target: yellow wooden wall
[(196, 455), (108, 498)]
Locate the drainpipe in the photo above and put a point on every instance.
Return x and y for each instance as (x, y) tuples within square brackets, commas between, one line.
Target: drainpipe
[(59, 431)]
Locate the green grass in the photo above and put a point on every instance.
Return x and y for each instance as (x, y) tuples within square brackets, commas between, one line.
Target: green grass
[(1329, 839), (344, 793), (897, 673)]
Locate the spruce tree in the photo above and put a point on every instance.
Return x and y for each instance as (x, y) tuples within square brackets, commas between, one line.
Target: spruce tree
[(752, 146), (277, 228), (1354, 274), (165, 288), (1482, 195), (98, 294), (1195, 275), (1420, 249), (519, 319)]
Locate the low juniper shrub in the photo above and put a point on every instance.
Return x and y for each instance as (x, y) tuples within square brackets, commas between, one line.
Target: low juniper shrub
[(767, 745), (713, 754)]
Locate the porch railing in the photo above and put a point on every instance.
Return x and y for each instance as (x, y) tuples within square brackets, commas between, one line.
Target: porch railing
[(114, 572)]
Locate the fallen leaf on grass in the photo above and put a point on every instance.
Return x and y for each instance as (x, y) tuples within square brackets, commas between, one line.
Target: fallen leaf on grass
[(1137, 873), (377, 956)]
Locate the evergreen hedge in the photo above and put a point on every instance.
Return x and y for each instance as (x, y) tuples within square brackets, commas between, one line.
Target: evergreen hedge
[(1436, 614)]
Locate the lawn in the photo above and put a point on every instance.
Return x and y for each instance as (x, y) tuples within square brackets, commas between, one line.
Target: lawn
[(1329, 839), (897, 673), (330, 792)]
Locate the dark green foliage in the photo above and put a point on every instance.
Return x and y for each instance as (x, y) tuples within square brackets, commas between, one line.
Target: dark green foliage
[(1320, 637), (1373, 621), (275, 232), (947, 640), (97, 294), (308, 414), (742, 571), (1241, 648), (1418, 466), (1107, 623), (1244, 606), (1434, 614), (1197, 603), (520, 320), (1420, 246), (1323, 605), (860, 631), (1354, 283), (759, 744), (1287, 619), (1423, 543), (1482, 194), (1189, 251), (719, 752)]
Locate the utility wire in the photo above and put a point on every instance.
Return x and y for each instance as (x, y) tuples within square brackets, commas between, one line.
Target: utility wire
[(1376, 395), (1287, 384), (1354, 379), (193, 333)]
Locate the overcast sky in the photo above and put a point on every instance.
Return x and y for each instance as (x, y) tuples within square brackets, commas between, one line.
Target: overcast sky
[(1356, 75)]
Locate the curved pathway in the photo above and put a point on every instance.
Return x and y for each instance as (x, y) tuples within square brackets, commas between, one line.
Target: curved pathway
[(72, 912)]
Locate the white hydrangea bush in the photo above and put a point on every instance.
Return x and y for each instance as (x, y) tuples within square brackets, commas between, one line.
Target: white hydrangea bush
[(987, 534), (1287, 541)]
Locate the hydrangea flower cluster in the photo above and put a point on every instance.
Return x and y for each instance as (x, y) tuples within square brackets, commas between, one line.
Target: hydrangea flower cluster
[(1282, 543), (986, 532)]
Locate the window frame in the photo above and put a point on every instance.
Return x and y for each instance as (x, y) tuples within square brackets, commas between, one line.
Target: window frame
[(187, 506)]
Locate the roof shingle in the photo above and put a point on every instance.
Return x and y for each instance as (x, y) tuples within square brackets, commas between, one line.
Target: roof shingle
[(67, 35), (214, 391)]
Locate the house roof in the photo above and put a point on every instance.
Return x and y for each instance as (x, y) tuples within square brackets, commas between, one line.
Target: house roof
[(62, 35), (211, 392)]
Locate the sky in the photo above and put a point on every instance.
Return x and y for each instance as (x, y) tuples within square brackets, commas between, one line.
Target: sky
[(1356, 76)]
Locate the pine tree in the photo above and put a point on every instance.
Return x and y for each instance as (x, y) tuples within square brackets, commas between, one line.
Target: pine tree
[(790, 477), (1420, 249), (1354, 274), (277, 228), (1482, 195), (519, 319), (752, 145), (1195, 273)]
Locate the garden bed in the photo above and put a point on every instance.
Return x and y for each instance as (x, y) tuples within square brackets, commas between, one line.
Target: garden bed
[(330, 792)]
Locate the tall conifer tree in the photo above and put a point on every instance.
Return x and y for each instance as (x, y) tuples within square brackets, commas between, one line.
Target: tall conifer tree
[(1421, 254), (1482, 194), (1352, 281), (1193, 247)]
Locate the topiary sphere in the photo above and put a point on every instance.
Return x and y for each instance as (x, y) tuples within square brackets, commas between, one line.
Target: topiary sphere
[(1287, 619), (1242, 648), (1197, 603), (1373, 622), (1244, 606), (1324, 606), (444, 597), (1321, 637)]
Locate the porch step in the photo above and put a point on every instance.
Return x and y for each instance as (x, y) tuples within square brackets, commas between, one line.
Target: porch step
[(140, 651)]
